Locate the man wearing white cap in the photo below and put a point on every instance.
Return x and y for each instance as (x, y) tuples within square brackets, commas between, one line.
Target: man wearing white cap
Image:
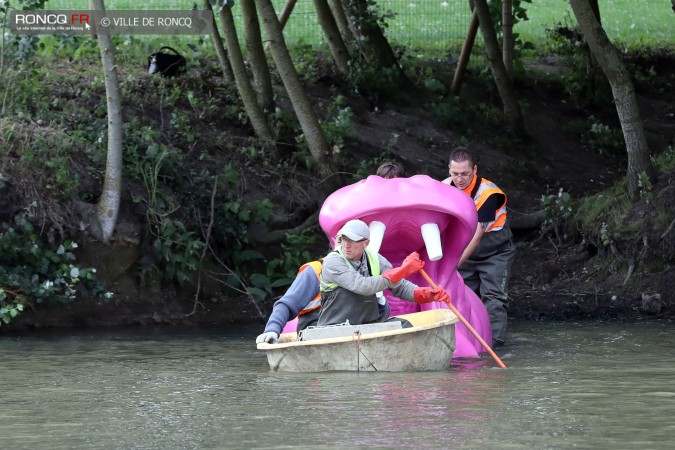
[(352, 275), (302, 299)]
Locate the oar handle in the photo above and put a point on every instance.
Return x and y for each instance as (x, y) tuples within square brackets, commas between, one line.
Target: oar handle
[(466, 323)]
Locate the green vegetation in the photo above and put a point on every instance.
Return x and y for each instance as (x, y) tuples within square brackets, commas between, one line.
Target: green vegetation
[(557, 211), (665, 162), (33, 272), (190, 161), (628, 22), (603, 139), (599, 218), (612, 223), (169, 162)]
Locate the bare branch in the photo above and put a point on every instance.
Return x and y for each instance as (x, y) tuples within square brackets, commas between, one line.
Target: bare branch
[(207, 238)]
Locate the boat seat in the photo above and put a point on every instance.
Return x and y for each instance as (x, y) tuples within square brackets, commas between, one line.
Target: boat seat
[(346, 329)]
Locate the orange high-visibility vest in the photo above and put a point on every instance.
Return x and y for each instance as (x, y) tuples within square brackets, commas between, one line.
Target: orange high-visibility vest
[(485, 189), (316, 301), (480, 194)]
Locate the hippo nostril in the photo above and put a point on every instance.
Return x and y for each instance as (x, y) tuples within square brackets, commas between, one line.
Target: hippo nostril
[(432, 241)]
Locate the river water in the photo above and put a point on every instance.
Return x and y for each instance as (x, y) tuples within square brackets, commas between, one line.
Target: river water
[(567, 385)]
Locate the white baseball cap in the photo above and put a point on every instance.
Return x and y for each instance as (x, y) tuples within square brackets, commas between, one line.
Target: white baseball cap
[(356, 230)]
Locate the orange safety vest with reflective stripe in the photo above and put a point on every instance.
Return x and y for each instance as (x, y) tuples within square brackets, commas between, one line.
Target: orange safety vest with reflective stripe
[(479, 190), (316, 301)]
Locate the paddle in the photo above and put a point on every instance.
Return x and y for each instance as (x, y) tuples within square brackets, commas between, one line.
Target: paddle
[(466, 323)]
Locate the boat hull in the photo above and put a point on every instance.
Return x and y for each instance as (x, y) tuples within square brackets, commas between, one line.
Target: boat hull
[(428, 345)]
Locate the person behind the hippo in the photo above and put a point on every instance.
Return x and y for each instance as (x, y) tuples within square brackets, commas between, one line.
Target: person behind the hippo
[(486, 262), (352, 276), (302, 299), (390, 169)]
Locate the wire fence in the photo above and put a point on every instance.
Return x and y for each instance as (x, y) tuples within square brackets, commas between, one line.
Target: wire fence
[(442, 24), (422, 23)]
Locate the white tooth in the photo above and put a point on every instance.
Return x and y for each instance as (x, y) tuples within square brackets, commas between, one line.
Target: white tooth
[(376, 235), (432, 241)]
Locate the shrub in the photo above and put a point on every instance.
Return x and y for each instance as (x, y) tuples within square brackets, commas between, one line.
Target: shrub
[(33, 273)]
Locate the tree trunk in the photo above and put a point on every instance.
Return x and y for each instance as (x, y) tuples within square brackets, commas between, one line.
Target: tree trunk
[(338, 11), (597, 81), (316, 139), (248, 95), (507, 91), (507, 31), (330, 29), (622, 90), (283, 17), (286, 12), (256, 53), (369, 34), (595, 6), (109, 203), (464, 56), (220, 50)]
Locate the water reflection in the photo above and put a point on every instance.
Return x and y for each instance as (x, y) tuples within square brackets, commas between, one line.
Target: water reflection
[(568, 384)]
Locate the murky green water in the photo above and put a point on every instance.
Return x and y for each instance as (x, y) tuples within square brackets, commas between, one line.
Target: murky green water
[(582, 385)]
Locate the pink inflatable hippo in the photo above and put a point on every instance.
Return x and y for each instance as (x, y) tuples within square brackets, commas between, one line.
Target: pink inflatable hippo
[(403, 205)]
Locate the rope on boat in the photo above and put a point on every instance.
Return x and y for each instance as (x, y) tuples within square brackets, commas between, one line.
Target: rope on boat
[(356, 338)]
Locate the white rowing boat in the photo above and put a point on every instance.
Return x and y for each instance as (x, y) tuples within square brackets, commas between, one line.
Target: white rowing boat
[(427, 345)]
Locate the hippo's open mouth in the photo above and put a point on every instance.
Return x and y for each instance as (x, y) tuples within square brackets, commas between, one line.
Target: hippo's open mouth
[(404, 206)]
